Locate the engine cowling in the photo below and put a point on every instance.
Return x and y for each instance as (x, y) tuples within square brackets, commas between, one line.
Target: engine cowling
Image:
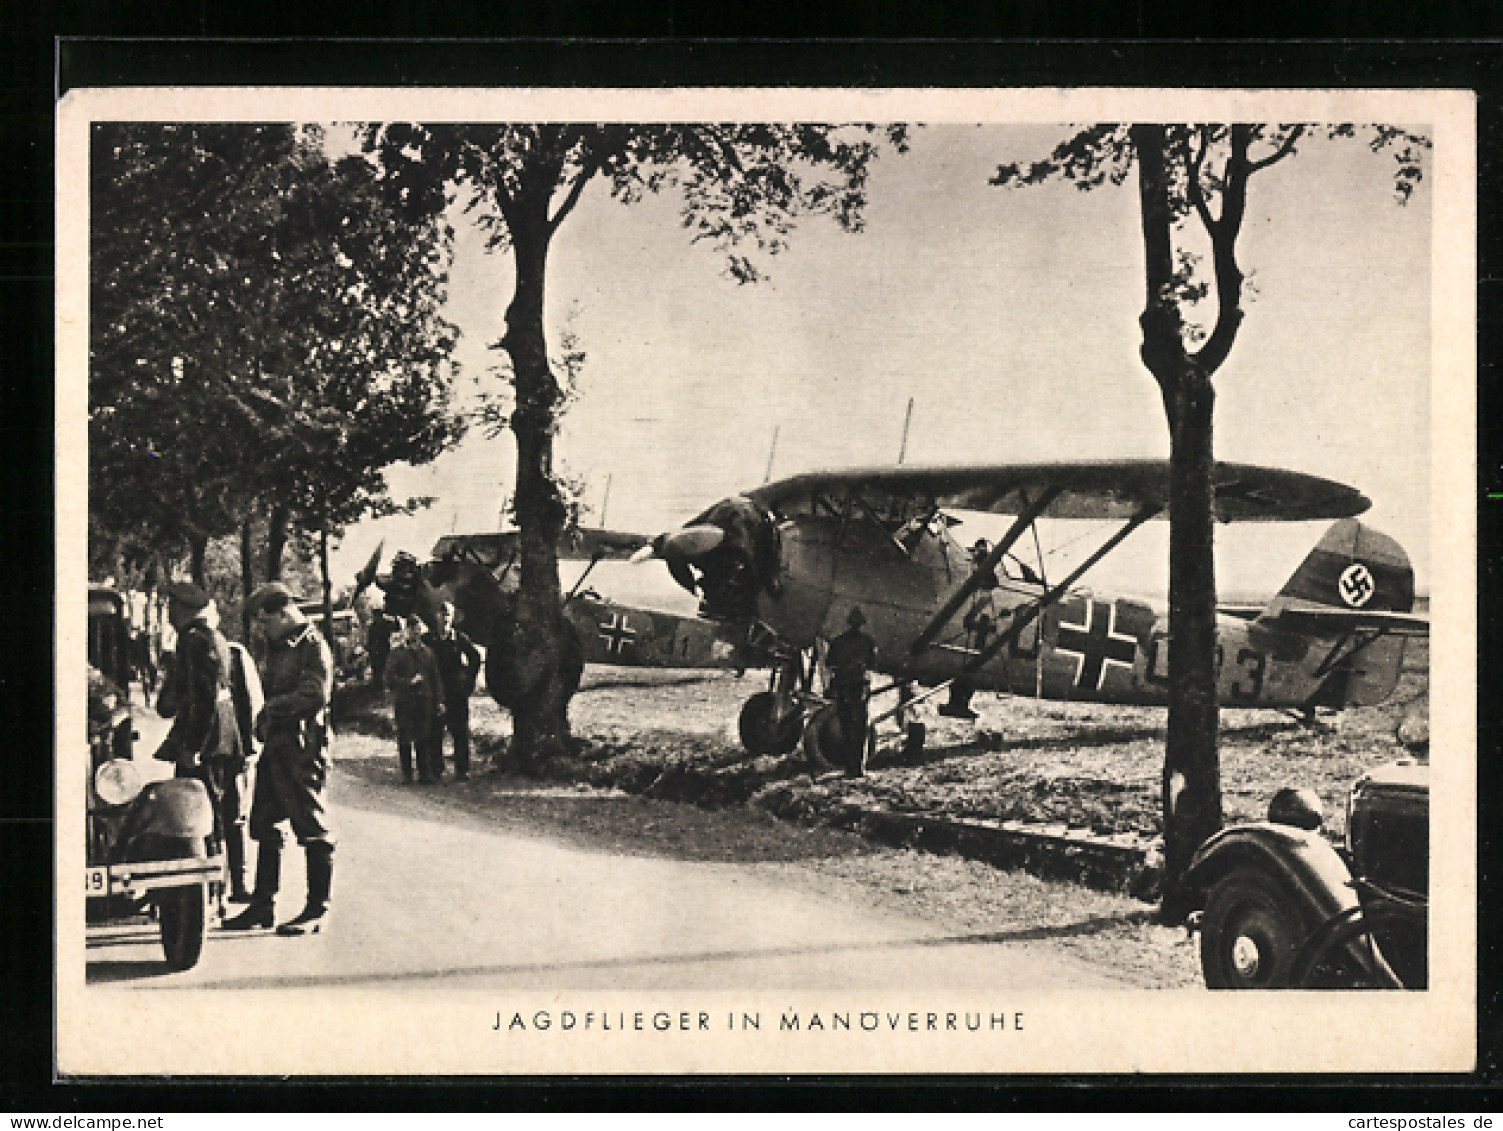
[(728, 556)]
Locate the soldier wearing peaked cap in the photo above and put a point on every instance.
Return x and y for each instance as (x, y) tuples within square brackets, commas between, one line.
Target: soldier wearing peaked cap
[(204, 742), (297, 681)]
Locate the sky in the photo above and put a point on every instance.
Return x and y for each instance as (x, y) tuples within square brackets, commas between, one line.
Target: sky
[(1009, 317)]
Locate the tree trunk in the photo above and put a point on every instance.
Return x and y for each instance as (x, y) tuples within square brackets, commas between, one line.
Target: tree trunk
[(540, 640), (198, 550), (1192, 772), (276, 541), (247, 576), (1192, 769)]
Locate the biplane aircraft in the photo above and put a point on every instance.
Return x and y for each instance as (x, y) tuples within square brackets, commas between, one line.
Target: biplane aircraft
[(780, 567)]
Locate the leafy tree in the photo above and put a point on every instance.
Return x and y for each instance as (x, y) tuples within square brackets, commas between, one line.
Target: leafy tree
[(265, 337), (743, 187), (1199, 174)]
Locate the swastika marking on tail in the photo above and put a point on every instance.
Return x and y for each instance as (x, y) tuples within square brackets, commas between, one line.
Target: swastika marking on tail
[(1356, 585)]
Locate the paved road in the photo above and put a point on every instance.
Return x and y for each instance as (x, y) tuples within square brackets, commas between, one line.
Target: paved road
[(426, 895)]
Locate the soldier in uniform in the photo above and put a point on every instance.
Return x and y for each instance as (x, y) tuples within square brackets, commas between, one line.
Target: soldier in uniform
[(294, 764), (417, 704), (850, 657), (204, 742), (458, 668), (378, 644), (978, 625)]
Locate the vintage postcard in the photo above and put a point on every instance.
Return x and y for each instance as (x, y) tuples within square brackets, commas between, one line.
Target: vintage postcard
[(836, 742)]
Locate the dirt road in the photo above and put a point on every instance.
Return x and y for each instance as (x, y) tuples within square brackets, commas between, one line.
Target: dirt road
[(427, 893)]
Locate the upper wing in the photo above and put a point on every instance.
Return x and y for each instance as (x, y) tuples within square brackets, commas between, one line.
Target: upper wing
[(580, 544), (1113, 489)]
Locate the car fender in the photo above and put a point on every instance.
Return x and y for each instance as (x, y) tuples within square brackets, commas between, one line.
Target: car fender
[(177, 807), (1305, 862)]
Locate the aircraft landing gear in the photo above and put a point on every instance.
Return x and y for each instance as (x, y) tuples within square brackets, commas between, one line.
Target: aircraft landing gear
[(767, 731), (772, 720)]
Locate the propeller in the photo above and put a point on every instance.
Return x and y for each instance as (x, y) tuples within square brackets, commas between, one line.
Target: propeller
[(368, 573), (688, 542)]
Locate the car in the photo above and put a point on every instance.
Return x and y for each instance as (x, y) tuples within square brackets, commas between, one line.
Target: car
[(150, 852), (1281, 906)]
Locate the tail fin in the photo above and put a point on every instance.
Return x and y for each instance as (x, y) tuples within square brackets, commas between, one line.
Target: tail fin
[(1355, 590), (1353, 567)]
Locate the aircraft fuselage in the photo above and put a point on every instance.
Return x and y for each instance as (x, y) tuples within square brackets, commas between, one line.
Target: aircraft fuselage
[(1082, 646)]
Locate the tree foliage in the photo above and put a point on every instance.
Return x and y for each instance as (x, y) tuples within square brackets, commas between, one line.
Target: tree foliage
[(265, 333)]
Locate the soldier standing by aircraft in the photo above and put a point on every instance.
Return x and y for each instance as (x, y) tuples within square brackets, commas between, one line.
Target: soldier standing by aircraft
[(978, 626), (850, 658), (294, 765), (458, 662), (416, 689)]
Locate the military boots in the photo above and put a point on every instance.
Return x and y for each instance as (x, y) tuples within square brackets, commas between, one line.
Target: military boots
[(320, 880), (260, 913)]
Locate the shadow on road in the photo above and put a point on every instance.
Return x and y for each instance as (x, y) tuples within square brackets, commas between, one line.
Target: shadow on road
[(1093, 926), (593, 820)]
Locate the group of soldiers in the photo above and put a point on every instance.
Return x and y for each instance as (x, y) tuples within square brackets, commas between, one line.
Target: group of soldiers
[(258, 741), (430, 677)]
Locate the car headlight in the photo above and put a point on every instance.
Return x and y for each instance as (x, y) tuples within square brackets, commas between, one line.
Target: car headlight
[(1300, 808), (117, 782)]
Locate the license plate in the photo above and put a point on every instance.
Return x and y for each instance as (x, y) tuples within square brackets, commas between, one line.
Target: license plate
[(96, 881)]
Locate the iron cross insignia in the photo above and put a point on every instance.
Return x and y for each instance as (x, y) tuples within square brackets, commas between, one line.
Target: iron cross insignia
[(617, 634), (1096, 643)]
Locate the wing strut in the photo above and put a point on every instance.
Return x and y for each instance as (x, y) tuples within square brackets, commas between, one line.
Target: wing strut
[(978, 575), (1027, 614)]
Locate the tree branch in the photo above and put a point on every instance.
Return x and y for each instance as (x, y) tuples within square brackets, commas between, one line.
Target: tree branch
[(1282, 152), (590, 167), (1224, 254), (1197, 194)]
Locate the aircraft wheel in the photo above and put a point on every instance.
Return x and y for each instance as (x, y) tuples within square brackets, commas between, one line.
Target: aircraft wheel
[(1250, 933), (762, 733)]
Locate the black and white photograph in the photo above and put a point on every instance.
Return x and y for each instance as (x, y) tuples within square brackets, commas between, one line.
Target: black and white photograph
[(703, 581)]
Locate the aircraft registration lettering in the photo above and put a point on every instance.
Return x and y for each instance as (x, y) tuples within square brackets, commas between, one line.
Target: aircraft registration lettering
[(1251, 667)]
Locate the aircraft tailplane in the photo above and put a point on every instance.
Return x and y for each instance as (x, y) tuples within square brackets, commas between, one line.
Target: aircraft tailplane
[(1356, 587), (1352, 568)]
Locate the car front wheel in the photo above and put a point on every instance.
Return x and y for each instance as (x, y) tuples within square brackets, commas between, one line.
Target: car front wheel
[(184, 914), (1250, 933)]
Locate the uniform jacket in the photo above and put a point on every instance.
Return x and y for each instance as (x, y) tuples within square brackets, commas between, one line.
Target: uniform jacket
[(412, 678), (851, 655), (200, 705), (297, 683), (458, 663)]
